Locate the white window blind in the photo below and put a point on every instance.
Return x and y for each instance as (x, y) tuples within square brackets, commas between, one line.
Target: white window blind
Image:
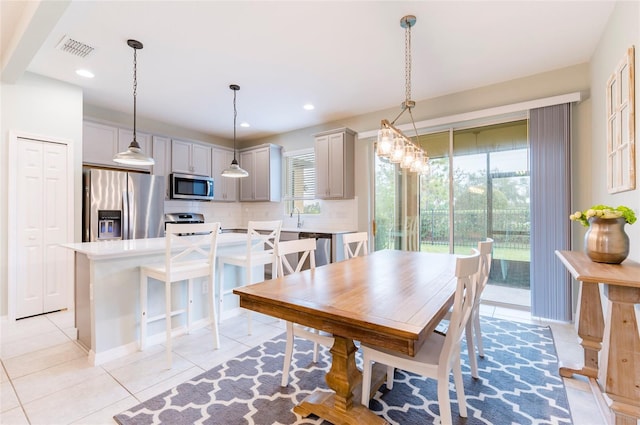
[(300, 179)]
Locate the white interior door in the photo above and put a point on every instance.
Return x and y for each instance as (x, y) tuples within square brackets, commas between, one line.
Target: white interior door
[(42, 273)]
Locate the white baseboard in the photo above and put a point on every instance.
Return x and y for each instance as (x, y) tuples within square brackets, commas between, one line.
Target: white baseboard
[(159, 338)]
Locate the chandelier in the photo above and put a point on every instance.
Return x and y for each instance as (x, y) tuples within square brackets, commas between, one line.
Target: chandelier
[(392, 143)]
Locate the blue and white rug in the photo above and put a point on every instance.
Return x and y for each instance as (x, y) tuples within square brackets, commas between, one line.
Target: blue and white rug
[(519, 384)]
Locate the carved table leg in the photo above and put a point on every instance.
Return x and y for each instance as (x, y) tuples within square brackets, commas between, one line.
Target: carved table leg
[(340, 407), (621, 354), (590, 330)]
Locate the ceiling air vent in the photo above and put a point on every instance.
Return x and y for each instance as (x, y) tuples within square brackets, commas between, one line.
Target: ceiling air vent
[(76, 48)]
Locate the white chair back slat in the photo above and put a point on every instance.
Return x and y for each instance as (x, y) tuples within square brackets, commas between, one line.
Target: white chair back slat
[(467, 275), (305, 248), (182, 247), (484, 268), (360, 239), (258, 241)]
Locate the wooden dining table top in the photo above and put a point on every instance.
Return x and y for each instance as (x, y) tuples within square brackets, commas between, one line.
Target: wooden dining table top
[(392, 299)]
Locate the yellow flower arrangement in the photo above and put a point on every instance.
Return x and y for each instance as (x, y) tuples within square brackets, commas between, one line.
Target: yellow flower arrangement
[(604, 211)]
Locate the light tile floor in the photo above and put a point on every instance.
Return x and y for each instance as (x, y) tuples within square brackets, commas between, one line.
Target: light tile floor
[(46, 379)]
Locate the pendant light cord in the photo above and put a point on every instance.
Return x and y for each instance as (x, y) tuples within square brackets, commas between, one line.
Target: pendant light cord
[(235, 114), (407, 64), (135, 92)]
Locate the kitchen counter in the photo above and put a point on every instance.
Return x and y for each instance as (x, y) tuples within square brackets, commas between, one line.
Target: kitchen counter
[(107, 293), (298, 230), (104, 250), (331, 252)]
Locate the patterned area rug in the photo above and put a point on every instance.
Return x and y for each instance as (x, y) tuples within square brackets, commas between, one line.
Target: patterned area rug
[(519, 384)]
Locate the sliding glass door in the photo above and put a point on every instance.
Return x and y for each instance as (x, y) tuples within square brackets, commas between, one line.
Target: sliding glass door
[(478, 187)]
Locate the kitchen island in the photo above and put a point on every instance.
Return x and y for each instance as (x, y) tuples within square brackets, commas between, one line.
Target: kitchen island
[(107, 293)]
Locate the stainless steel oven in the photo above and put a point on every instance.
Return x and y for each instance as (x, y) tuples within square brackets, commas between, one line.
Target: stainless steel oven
[(183, 218)]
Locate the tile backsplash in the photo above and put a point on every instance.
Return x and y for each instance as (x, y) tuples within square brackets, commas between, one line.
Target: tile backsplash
[(336, 215)]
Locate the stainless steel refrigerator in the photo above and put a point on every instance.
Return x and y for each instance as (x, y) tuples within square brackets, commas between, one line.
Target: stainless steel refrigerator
[(122, 205)]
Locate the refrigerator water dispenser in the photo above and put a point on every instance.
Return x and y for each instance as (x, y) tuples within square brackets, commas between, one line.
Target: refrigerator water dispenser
[(109, 224)]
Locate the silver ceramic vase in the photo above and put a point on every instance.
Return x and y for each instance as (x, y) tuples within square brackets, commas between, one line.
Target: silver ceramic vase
[(606, 240)]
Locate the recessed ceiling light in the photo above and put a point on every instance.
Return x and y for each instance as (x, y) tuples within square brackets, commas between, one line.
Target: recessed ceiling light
[(244, 124), (85, 73), (309, 107)]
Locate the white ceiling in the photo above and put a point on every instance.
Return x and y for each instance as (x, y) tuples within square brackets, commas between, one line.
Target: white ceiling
[(345, 57)]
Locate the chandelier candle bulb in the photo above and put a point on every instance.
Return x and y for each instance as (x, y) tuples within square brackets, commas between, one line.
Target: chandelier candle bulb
[(385, 142), (398, 150), (408, 157), (417, 163)]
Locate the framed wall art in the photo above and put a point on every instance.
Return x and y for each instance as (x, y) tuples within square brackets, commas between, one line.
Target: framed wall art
[(621, 172)]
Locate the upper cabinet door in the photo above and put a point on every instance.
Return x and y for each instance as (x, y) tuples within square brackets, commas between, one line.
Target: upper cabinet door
[(201, 159), (261, 181), (225, 189), (161, 155), (264, 165), (190, 158), (181, 157), (334, 164), (99, 143), (247, 162)]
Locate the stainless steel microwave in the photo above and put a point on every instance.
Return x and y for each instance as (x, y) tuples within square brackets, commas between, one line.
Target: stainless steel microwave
[(187, 186)]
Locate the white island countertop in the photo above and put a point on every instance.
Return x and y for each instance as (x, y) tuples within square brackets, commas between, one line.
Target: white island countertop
[(105, 250), (300, 230)]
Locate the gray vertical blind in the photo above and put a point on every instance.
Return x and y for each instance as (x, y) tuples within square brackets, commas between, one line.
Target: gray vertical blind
[(550, 137)]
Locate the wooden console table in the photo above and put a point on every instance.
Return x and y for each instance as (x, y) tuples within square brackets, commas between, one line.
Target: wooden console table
[(618, 371)]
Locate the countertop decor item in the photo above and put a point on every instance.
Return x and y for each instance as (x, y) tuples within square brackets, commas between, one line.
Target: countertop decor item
[(606, 240)]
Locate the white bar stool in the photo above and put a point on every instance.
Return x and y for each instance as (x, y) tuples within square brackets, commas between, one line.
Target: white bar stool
[(262, 239), (186, 258)]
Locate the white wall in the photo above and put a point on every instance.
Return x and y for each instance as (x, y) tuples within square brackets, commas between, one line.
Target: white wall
[(44, 107), (622, 31)]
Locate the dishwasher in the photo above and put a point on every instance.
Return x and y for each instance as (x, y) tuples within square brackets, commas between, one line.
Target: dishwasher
[(323, 247)]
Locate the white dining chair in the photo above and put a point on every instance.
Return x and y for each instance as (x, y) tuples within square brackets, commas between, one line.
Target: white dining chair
[(439, 355), (355, 244), (190, 251), (473, 327), (305, 249), (262, 239)]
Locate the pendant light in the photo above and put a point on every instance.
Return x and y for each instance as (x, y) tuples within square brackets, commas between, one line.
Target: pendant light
[(234, 169), (134, 155)]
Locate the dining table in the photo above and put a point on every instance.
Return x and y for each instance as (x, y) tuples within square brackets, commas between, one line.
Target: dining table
[(390, 298)]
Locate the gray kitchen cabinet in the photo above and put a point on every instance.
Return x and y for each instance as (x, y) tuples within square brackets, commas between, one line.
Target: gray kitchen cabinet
[(264, 165), (225, 189), (190, 158), (162, 157), (100, 142), (334, 162)]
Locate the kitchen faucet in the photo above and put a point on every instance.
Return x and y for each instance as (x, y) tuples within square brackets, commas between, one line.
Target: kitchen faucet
[(299, 225)]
